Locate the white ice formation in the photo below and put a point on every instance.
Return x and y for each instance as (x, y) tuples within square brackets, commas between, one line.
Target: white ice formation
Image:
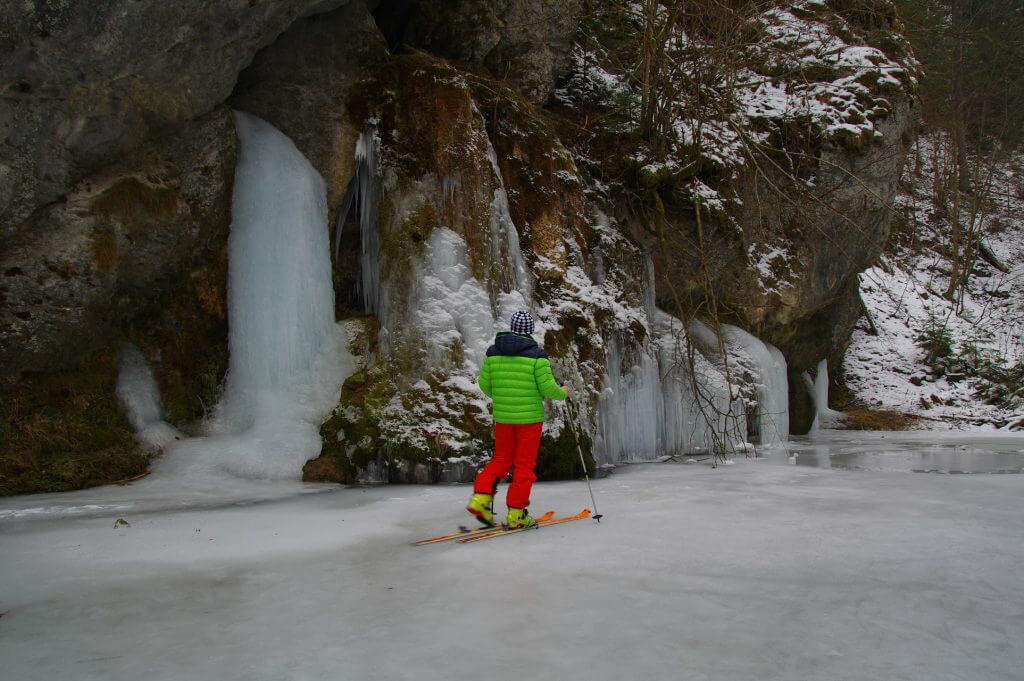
[(140, 397), (507, 256), (818, 388), (666, 399), (771, 383), (287, 360), (658, 398), (450, 307)]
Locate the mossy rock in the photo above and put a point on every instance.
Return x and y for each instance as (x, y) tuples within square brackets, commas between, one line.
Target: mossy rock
[(184, 336), (421, 125), (130, 197), (567, 339), (559, 458), (66, 431), (546, 199), (558, 342), (365, 431), (333, 464), (403, 239), (350, 438), (104, 251), (329, 467), (865, 418)]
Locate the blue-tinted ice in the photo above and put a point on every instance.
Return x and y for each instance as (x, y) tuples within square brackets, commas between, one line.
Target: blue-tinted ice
[(918, 452)]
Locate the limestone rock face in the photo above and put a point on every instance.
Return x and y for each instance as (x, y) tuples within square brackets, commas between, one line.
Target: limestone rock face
[(116, 171), (833, 229), (788, 269), (526, 42), (86, 82), (134, 252), (121, 239)]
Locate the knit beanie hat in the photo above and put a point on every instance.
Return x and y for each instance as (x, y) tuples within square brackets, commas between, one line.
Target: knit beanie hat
[(522, 323)]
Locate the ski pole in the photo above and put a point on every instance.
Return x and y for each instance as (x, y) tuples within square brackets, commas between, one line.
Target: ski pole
[(579, 450)]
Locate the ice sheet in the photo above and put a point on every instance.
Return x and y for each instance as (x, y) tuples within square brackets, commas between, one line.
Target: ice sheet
[(761, 570)]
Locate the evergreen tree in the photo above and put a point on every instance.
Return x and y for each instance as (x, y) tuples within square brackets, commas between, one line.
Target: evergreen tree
[(972, 53)]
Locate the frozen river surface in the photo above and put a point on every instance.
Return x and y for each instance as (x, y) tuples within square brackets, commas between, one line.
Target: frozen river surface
[(759, 570)]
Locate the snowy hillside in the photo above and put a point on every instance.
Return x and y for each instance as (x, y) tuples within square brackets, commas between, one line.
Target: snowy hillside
[(977, 341), (811, 69)]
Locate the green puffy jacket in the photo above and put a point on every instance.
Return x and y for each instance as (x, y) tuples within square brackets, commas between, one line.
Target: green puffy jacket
[(516, 375)]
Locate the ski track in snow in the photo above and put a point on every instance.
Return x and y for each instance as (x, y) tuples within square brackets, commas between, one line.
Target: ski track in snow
[(761, 570)]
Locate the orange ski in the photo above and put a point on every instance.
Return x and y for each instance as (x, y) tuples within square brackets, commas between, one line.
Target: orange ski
[(498, 532), (474, 532)]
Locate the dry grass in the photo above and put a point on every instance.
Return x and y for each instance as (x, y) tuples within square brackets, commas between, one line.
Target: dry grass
[(863, 418)]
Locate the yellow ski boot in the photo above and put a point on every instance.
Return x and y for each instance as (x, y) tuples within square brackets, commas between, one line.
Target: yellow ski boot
[(481, 505), (518, 518)]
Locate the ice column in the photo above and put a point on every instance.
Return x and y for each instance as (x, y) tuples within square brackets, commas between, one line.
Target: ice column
[(776, 384), (450, 305), (818, 388), (286, 359), (772, 384), (631, 409), (650, 306), (139, 396), (716, 418)]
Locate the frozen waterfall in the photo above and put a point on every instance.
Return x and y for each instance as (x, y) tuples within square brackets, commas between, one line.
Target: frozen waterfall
[(458, 311), (771, 384), (286, 356), (631, 410), (659, 403), (818, 388)]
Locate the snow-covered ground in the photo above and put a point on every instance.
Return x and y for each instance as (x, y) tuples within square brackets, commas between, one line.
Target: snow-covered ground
[(904, 294), (759, 570)]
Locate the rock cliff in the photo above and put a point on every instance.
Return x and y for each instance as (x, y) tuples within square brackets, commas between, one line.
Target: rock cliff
[(491, 177)]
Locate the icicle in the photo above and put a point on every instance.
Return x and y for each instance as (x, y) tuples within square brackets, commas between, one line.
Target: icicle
[(631, 409), (649, 287), (450, 186), (650, 409), (603, 222), (715, 412), (776, 382), (279, 310), (362, 195)]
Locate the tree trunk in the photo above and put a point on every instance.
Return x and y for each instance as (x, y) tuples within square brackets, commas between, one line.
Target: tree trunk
[(959, 24)]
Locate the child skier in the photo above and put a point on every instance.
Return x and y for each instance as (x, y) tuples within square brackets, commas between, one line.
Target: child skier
[(517, 376)]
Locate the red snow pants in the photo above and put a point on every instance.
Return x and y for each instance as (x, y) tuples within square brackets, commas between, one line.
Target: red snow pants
[(515, 447)]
